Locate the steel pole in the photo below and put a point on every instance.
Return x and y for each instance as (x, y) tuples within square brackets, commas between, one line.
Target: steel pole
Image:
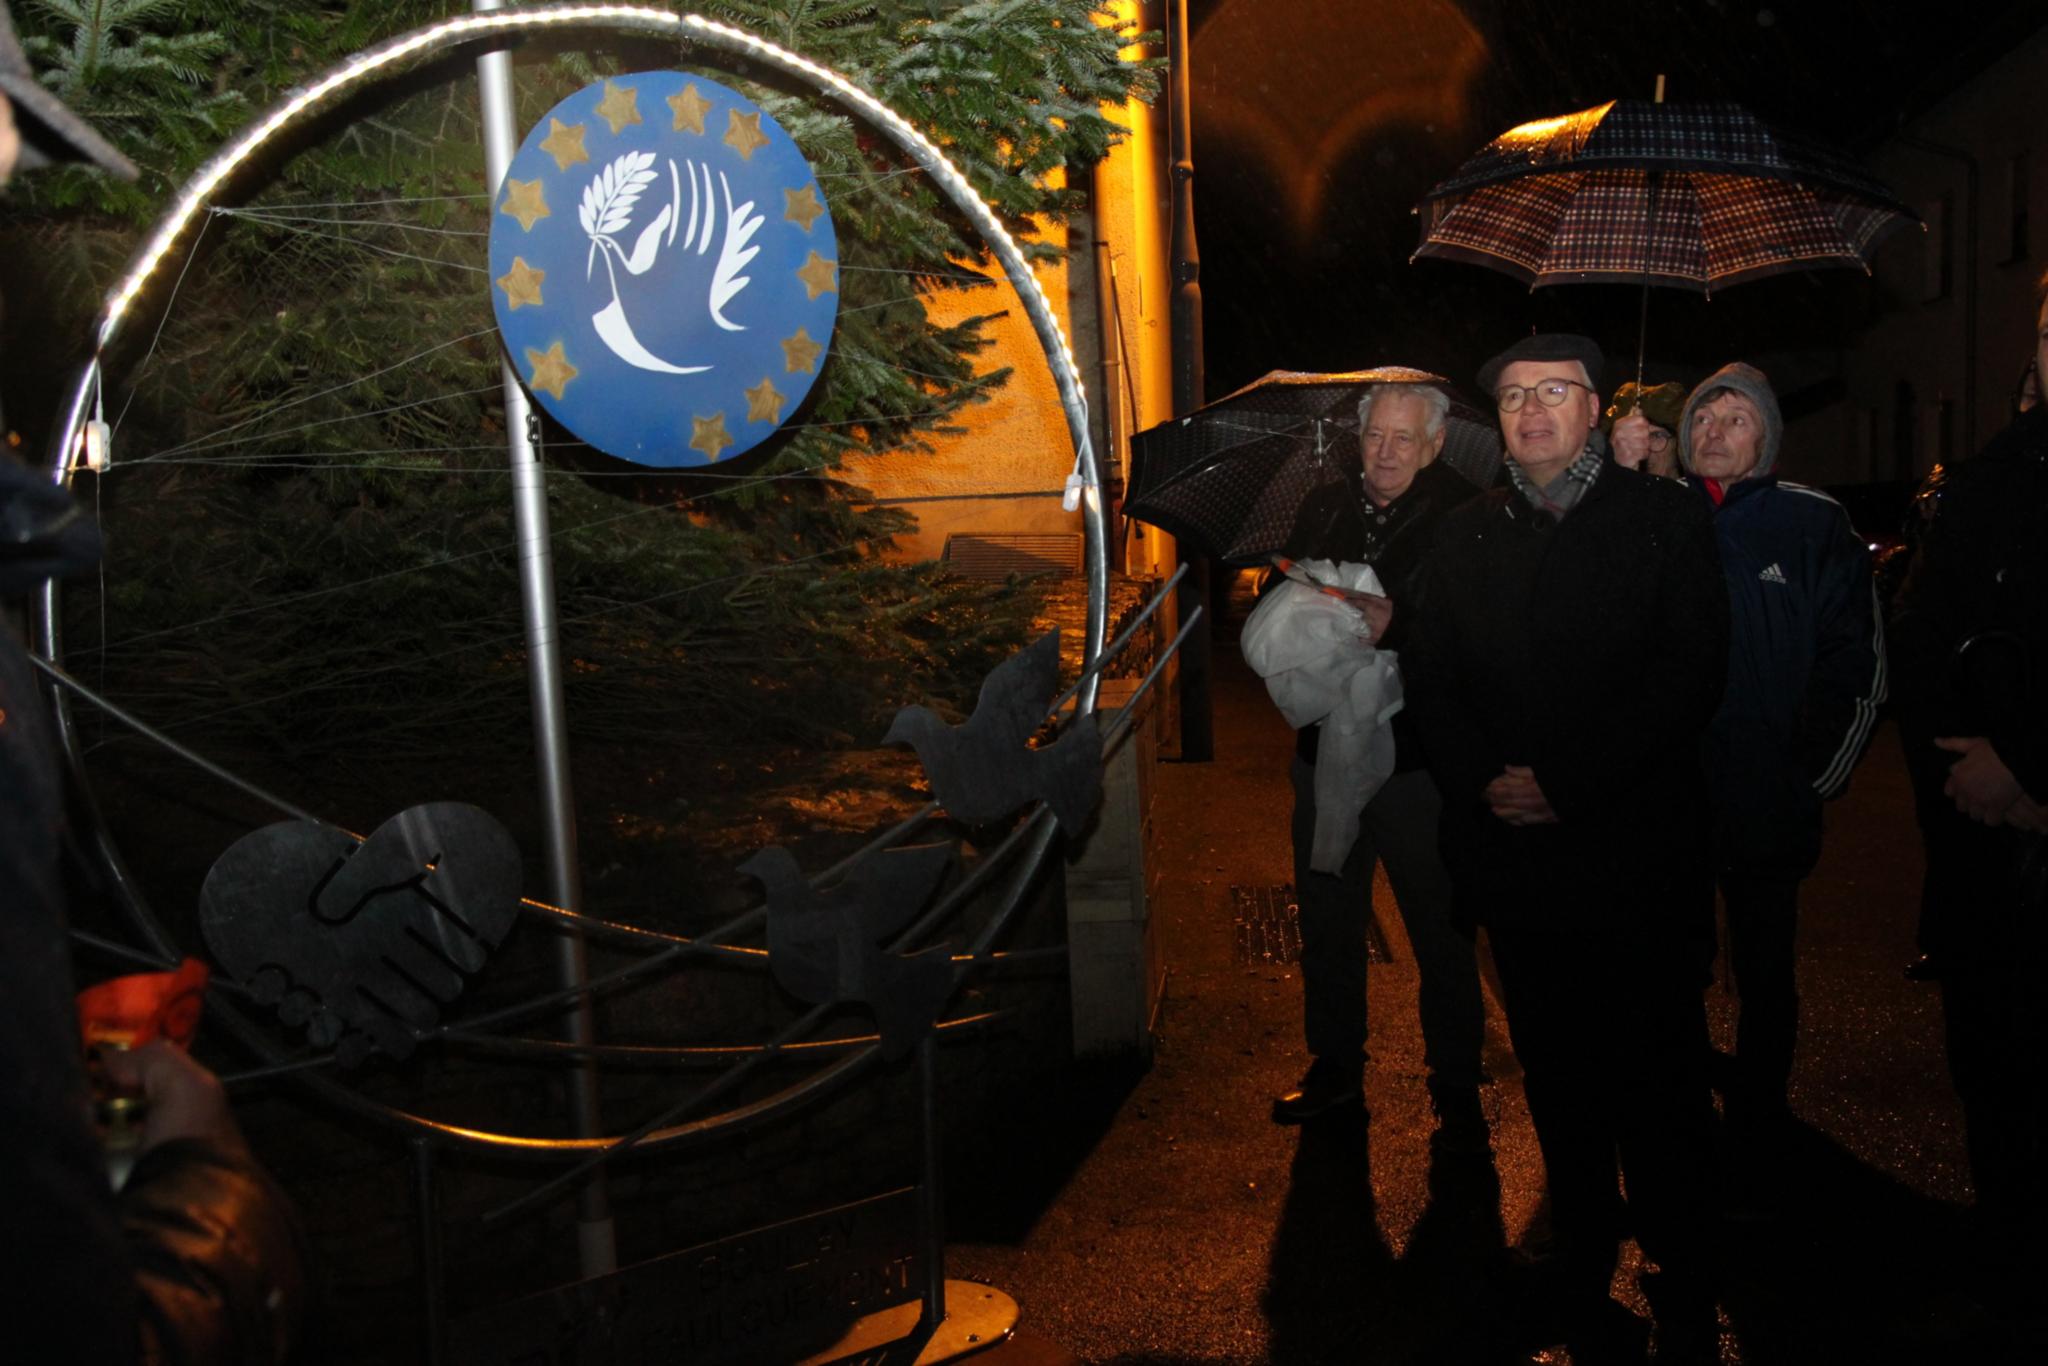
[(596, 1245), (1197, 731)]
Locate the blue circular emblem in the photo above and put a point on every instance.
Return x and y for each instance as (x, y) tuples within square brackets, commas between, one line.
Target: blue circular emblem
[(663, 268)]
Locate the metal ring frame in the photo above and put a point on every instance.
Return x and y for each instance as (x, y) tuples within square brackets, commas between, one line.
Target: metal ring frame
[(394, 55)]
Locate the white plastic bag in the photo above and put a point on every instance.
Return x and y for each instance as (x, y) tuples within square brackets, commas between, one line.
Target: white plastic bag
[(1315, 652)]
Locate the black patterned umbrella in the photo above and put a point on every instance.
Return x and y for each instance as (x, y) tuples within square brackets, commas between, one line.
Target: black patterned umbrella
[(1229, 478), (1698, 196)]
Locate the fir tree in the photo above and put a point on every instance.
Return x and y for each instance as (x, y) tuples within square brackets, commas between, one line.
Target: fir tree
[(358, 556)]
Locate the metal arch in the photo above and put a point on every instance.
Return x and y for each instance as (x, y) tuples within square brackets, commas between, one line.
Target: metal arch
[(67, 450), (453, 32)]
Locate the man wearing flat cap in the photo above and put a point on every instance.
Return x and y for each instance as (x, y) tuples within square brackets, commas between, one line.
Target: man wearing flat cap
[(1572, 638)]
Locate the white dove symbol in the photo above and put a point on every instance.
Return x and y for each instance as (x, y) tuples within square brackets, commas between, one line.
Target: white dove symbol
[(607, 209)]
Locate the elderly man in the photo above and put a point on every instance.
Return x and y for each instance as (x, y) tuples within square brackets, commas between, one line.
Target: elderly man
[(1386, 519), (1571, 638), (1805, 678)]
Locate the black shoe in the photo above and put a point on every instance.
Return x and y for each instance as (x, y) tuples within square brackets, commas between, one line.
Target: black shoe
[(1326, 1089)]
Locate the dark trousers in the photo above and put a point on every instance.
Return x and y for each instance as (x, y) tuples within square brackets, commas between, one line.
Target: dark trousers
[(1763, 923), (1612, 1036), (1398, 828), (1998, 1058)]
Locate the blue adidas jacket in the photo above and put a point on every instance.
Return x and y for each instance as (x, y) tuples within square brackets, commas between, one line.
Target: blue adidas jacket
[(1806, 671)]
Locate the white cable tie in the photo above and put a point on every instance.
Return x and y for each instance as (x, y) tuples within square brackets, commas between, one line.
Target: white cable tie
[(99, 445)]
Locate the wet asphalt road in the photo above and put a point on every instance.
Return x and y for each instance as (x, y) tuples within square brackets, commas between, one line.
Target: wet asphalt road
[(1183, 1226)]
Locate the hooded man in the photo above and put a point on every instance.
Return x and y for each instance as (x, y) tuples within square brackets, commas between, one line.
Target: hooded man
[(1805, 678), (1571, 634)]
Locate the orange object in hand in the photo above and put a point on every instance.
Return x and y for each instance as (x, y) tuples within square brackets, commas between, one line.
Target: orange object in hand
[(127, 1012)]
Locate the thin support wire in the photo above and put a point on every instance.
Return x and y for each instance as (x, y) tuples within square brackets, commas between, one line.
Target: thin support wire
[(189, 755), (162, 322), (289, 223), (207, 440)]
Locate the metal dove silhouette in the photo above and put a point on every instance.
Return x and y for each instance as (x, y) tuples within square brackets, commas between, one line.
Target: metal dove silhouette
[(826, 946), (983, 769)]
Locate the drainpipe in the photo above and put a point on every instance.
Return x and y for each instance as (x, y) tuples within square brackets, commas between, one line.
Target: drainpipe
[(1197, 734), (1110, 327)]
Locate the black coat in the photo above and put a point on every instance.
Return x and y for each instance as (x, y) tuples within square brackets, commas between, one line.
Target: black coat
[(1342, 524), (1593, 651), (1982, 570), (1980, 575), (199, 1258)]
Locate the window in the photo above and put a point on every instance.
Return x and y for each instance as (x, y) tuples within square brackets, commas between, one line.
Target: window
[(1905, 431), (1937, 278), (2018, 189)]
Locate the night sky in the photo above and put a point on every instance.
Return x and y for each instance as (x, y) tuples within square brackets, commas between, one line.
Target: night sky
[(1318, 126)]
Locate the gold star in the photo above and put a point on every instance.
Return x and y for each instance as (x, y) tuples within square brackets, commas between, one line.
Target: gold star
[(743, 134), (564, 143), (708, 434), (802, 207), (619, 107), (525, 200), (764, 403), (690, 109), (551, 370), (817, 274), (522, 286), (800, 352)]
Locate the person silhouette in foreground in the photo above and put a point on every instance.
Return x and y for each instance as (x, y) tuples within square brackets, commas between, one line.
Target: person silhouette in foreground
[(1572, 639), (197, 1260), (1969, 646)]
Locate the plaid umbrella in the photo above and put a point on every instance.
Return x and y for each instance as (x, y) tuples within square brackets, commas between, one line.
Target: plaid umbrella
[(1229, 479), (1693, 195)]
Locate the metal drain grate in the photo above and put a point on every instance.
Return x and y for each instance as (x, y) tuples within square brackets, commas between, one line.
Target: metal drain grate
[(996, 557), (1267, 925)]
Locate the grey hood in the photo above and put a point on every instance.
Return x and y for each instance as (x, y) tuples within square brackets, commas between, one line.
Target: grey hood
[(1753, 385)]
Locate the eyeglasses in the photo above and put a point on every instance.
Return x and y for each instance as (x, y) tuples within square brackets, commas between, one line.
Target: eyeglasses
[(1551, 393), (1660, 440)]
